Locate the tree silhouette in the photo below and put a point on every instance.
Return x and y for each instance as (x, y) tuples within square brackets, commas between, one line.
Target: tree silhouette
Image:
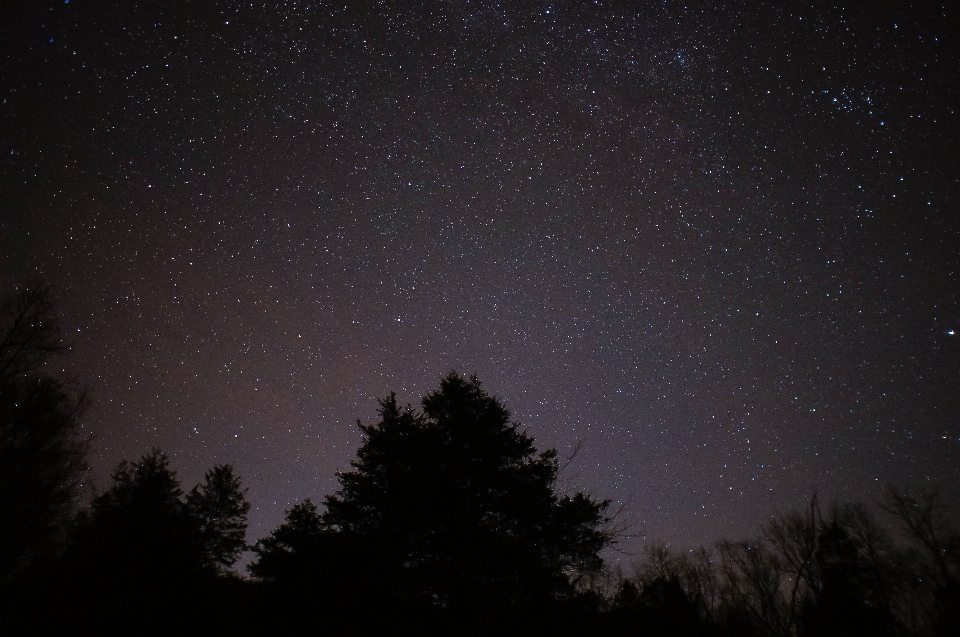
[(660, 606), (752, 585), (31, 331), (142, 532), (451, 507), (934, 561), (219, 510), (42, 455), (290, 553), (144, 553), (665, 609), (139, 532), (848, 601)]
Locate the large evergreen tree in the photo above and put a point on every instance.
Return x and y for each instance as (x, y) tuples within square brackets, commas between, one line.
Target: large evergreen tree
[(453, 506), (219, 510)]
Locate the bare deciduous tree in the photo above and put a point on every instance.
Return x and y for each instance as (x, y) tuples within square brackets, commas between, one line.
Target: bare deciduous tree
[(42, 454), (31, 331)]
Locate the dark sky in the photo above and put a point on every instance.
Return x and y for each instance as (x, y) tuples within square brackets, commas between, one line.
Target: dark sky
[(718, 245)]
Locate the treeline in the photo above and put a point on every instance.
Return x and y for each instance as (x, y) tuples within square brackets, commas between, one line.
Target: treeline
[(450, 522), (832, 571)]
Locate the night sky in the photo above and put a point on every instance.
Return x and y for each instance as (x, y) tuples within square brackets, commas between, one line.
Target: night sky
[(719, 245)]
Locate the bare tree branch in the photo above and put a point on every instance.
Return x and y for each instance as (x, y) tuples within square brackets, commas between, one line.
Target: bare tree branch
[(31, 331)]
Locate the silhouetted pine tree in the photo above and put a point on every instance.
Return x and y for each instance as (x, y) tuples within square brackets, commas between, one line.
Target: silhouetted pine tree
[(219, 510), (451, 508)]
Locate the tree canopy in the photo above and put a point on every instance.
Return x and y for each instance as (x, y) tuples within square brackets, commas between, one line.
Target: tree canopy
[(143, 531), (451, 505)]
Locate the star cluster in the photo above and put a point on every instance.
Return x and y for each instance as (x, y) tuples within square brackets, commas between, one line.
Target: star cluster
[(716, 244)]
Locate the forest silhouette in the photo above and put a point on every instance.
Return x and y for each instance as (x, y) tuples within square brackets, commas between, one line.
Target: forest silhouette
[(450, 521)]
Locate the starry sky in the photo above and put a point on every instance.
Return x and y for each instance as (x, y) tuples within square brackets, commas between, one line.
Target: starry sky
[(715, 243)]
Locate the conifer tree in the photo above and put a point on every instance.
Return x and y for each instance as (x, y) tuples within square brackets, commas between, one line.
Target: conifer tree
[(453, 506), (219, 510)]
